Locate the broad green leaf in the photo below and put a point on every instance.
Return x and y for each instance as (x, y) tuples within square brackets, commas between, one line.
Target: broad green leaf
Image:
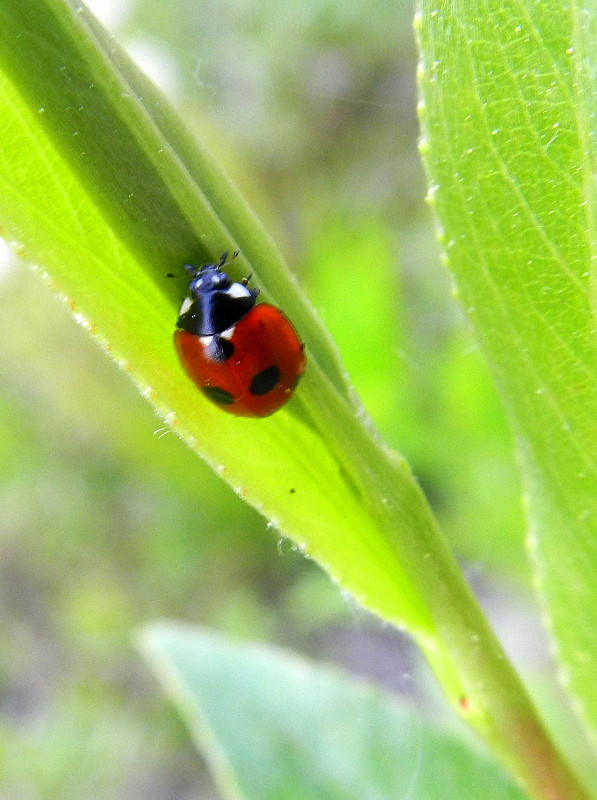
[(273, 726), (103, 188), (508, 113)]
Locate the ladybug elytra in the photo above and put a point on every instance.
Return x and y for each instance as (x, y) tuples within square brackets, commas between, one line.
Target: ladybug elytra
[(246, 358)]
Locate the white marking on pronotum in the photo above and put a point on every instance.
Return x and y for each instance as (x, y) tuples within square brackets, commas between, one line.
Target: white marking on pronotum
[(186, 304)]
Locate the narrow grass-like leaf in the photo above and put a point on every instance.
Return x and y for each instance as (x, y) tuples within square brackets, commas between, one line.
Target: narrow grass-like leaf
[(509, 118), (272, 726)]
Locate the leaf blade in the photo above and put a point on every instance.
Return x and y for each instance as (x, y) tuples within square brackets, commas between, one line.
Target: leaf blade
[(272, 726), (509, 162)]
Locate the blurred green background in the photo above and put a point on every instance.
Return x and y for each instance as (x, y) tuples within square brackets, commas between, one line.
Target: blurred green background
[(107, 520)]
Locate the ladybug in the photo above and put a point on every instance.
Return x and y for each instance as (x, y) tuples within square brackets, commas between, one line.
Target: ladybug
[(246, 358)]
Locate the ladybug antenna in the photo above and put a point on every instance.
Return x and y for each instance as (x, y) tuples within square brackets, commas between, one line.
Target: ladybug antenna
[(196, 270), (224, 258), (190, 268)]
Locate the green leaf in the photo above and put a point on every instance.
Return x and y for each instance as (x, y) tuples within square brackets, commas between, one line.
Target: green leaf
[(102, 186), (509, 101), (272, 726)]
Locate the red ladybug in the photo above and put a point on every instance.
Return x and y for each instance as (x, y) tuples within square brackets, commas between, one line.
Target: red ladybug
[(246, 358)]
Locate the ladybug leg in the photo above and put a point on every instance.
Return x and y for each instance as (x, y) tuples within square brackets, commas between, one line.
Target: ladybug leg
[(245, 282)]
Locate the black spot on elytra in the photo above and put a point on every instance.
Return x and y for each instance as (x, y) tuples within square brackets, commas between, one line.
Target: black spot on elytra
[(265, 381), (219, 349), (218, 395)]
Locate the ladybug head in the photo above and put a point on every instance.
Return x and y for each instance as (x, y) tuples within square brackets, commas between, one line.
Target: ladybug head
[(209, 278)]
